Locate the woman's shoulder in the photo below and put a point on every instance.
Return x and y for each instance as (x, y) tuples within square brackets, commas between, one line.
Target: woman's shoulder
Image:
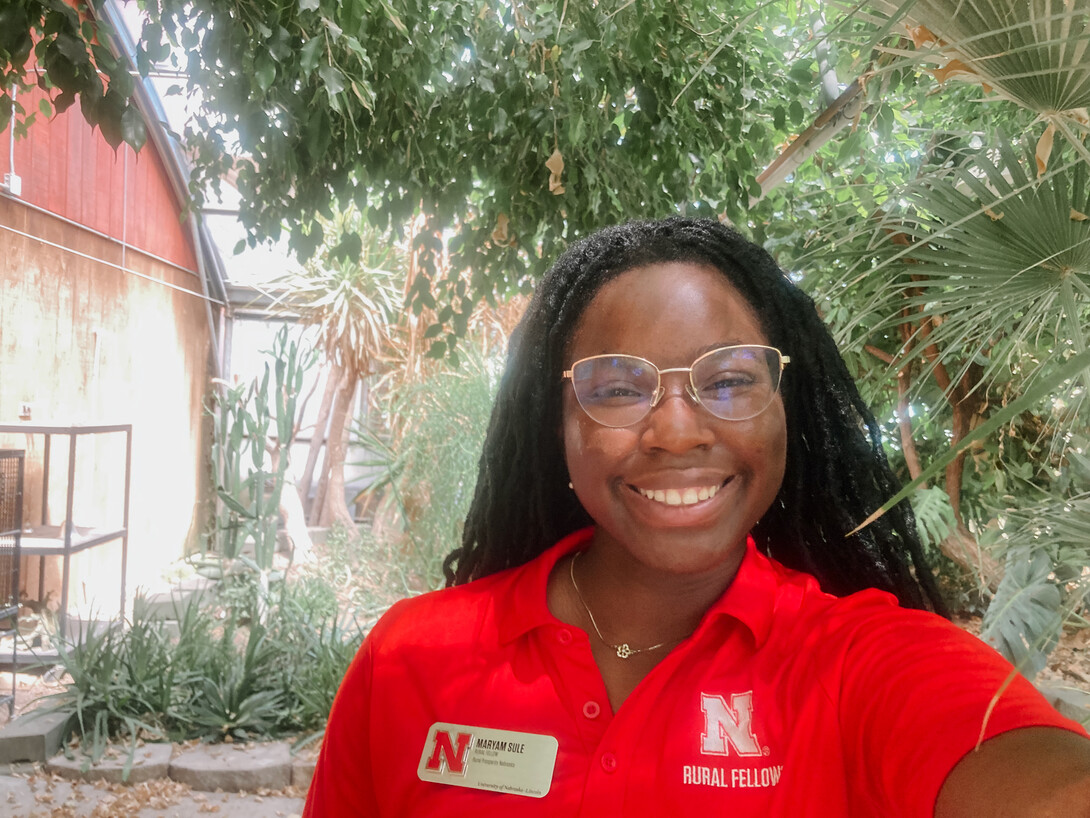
[(462, 614)]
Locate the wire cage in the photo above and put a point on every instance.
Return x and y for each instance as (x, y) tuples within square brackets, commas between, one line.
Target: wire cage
[(11, 528)]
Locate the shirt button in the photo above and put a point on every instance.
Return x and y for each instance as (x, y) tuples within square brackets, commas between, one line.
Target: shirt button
[(591, 710), (563, 636), (609, 762)]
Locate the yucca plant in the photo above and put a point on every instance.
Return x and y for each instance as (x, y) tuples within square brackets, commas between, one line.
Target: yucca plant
[(352, 293)]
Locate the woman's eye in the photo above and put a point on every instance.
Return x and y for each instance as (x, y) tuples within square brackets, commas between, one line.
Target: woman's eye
[(616, 390), (730, 380)]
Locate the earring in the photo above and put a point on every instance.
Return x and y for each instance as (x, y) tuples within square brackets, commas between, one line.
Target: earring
[(570, 485)]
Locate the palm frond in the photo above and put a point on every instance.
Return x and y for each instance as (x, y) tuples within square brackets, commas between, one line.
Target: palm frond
[(1034, 52), (996, 265)]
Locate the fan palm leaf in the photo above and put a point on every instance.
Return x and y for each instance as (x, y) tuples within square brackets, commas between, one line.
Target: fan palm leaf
[(1034, 52), (999, 268)]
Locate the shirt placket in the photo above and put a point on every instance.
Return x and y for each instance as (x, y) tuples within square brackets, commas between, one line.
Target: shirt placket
[(580, 686)]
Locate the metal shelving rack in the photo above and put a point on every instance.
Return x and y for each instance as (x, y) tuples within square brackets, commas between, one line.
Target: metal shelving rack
[(45, 541), (11, 529)]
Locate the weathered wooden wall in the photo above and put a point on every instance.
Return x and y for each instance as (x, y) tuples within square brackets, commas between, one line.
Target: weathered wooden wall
[(94, 331)]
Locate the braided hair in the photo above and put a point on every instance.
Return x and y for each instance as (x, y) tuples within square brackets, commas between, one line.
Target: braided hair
[(836, 471)]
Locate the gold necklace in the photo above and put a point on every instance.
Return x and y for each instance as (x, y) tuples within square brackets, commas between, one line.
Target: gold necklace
[(623, 650)]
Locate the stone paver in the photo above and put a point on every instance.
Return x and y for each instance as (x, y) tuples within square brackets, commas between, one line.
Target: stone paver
[(302, 771), (233, 767), (150, 762), (32, 737)]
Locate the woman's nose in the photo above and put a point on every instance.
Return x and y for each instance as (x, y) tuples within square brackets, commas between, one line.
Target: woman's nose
[(677, 422)]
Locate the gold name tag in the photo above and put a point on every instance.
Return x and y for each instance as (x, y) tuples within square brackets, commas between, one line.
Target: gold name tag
[(484, 759)]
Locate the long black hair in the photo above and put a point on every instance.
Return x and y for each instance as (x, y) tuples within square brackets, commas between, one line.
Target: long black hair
[(836, 472)]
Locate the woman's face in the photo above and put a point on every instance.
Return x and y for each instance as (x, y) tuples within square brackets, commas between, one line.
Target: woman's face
[(670, 314)]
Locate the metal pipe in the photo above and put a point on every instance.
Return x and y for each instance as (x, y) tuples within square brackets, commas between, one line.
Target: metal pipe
[(11, 125)]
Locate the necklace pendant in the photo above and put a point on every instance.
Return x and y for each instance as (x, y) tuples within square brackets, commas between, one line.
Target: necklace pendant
[(624, 651)]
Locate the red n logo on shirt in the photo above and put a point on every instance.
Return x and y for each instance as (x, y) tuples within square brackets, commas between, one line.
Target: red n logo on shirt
[(729, 724), (447, 755)]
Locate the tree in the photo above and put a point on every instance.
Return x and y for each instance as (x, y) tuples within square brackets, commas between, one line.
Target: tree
[(70, 46), (970, 277), (510, 128), (350, 291)]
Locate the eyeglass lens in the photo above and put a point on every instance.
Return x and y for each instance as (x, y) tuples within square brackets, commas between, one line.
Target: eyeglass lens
[(733, 383)]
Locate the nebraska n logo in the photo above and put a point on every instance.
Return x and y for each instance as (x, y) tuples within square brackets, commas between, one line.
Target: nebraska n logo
[(729, 725), (449, 755)]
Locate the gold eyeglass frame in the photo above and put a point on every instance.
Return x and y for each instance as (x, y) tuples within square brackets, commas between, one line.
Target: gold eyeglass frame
[(690, 388)]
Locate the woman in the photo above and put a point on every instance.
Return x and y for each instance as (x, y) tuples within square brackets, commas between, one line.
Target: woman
[(675, 426)]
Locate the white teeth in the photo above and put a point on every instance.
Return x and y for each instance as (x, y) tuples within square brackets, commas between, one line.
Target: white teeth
[(682, 497)]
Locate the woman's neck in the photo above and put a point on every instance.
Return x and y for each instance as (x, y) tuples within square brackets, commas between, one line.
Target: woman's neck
[(620, 602)]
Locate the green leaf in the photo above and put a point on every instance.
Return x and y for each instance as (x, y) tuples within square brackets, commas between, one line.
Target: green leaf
[(1024, 620), (14, 31), (133, 130), (72, 48), (803, 71), (779, 118), (264, 71), (392, 16), (796, 112), (234, 504), (332, 78), (308, 5)]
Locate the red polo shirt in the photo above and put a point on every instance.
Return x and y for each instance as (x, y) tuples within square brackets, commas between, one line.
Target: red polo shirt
[(785, 701)]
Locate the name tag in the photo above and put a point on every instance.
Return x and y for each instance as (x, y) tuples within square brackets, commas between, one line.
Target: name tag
[(484, 759)]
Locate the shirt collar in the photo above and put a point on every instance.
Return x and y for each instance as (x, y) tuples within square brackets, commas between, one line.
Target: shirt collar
[(750, 598)]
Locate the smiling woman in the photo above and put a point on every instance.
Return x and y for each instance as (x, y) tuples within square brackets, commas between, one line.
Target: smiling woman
[(657, 608)]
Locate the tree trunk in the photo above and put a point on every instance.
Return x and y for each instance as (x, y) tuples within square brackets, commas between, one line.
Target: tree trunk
[(904, 423), (334, 508), (961, 546), (318, 438)]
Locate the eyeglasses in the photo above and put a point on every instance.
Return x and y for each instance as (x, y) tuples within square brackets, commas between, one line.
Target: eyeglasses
[(733, 383)]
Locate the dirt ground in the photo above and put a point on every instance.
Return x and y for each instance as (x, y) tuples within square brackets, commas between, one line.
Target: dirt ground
[(39, 795)]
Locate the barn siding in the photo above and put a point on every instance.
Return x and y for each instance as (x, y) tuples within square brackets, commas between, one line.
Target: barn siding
[(84, 341)]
